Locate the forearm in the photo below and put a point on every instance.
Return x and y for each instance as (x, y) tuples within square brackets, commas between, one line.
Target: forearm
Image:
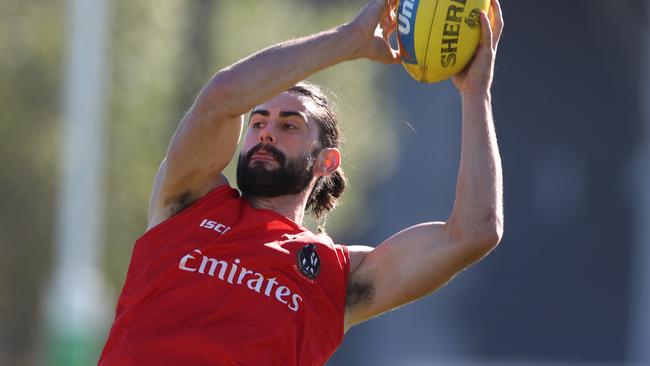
[(275, 69), (478, 207)]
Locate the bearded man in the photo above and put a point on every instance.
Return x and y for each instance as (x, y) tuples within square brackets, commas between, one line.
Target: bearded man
[(223, 278)]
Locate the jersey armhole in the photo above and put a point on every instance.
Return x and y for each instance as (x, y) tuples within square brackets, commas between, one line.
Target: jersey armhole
[(217, 195), (343, 255)]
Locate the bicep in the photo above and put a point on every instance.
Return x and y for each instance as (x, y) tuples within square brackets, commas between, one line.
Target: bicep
[(201, 147), (407, 266)]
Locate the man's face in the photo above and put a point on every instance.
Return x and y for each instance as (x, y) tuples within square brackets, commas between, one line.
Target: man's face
[(279, 148)]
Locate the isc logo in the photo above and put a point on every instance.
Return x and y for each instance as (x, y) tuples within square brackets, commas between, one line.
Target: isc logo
[(406, 10), (213, 225)]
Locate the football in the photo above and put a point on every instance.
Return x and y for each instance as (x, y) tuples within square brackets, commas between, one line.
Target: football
[(437, 38)]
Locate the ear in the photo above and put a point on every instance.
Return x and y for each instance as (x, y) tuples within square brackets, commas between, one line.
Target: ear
[(327, 162)]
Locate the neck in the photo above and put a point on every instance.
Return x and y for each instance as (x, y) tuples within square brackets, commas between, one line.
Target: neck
[(291, 206)]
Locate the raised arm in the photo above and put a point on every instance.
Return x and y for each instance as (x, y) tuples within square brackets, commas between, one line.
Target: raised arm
[(420, 259), (206, 138)]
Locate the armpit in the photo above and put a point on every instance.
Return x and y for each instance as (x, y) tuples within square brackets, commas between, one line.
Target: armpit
[(360, 292), (179, 203)]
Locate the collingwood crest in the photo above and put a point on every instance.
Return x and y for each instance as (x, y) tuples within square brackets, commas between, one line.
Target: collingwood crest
[(308, 262), (473, 19)]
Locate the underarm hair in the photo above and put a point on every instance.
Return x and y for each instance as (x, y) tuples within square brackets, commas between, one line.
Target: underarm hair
[(179, 203), (360, 292)]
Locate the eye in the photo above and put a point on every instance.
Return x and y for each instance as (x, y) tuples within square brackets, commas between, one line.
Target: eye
[(289, 126), (257, 124)]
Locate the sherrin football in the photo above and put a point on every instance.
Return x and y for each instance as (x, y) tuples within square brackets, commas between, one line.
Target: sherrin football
[(437, 38)]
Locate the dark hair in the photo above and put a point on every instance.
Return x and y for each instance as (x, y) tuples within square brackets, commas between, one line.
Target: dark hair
[(324, 197)]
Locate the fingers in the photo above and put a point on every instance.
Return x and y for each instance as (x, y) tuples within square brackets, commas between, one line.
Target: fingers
[(487, 37), (496, 21), (393, 55), (377, 21), (391, 5), (388, 19), (388, 25)]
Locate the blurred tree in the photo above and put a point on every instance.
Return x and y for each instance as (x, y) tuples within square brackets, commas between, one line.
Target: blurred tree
[(30, 67), (197, 42)]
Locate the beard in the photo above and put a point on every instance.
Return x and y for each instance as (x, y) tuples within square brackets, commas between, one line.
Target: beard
[(292, 177)]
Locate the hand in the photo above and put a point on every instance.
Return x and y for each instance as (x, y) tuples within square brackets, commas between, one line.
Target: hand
[(476, 77), (375, 23)]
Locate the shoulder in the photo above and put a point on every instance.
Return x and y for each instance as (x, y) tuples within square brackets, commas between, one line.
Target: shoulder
[(357, 254), (350, 256)]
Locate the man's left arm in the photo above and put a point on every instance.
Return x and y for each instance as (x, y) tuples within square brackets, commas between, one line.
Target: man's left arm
[(418, 260)]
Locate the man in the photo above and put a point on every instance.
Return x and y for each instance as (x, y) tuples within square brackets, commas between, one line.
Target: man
[(228, 280)]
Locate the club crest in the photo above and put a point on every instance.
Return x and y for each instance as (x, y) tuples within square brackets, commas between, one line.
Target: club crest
[(473, 19), (308, 262)]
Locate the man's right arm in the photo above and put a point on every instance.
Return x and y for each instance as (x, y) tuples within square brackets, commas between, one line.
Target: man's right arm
[(206, 139)]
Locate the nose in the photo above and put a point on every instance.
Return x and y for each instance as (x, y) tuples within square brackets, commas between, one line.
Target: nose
[(266, 135)]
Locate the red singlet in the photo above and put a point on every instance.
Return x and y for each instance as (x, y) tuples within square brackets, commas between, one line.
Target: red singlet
[(222, 283)]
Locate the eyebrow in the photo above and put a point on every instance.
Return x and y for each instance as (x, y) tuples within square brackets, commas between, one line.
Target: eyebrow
[(283, 114)]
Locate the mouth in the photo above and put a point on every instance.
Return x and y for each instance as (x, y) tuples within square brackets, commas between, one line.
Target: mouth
[(263, 156)]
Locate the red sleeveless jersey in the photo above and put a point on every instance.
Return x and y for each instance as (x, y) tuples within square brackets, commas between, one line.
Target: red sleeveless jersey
[(223, 283)]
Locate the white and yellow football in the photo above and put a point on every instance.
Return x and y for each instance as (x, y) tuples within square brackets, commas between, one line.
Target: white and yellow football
[(437, 38)]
